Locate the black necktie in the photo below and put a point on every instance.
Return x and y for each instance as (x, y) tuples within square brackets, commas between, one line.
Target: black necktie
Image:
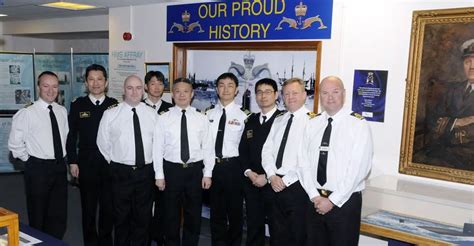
[(220, 134), (184, 138), (264, 119), (154, 106), (58, 149), (323, 154), (281, 150), (139, 153), (97, 103)]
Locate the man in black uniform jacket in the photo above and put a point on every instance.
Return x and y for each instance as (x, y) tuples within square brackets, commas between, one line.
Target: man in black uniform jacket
[(154, 86), (94, 179), (257, 192)]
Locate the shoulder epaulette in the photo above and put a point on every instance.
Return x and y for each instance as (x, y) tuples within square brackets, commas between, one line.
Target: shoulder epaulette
[(29, 104), (246, 111), (112, 106), (357, 115), (280, 114), (164, 111), (209, 108), (312, 115), (74, 99), (147, 104)]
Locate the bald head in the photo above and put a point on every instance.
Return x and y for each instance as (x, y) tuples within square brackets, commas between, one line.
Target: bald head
[(133, 90), (332, 94)]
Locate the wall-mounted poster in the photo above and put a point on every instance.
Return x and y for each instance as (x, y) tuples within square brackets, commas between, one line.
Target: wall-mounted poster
[(121, 65), (250, 62), (5, 126), (60, 64), (17, 82), (164, 68), (368, 96), (80, 62)]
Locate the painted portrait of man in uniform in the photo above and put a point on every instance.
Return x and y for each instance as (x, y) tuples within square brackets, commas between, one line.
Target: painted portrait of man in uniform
[(443, 136)]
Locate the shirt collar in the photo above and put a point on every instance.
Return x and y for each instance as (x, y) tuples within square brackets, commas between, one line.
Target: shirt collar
[(301, 111), (229, 106), (43, 104), (337, 116), (269, 113), (157, 104), (93, 99)]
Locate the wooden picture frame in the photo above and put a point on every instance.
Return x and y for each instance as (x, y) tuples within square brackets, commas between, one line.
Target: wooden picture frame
[(163, 67), (433, 144), (182, 52)]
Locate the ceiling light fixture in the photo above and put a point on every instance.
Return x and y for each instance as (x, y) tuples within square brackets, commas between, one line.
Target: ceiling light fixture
[(68, 5), (3, 15)]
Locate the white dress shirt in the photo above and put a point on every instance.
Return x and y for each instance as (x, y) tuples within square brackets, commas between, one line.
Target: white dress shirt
[(116, 138), (270, 149), (167, 137), (157, 104), (268, 115), (32, 133), (234, 126), (349, 156), (93, 99)]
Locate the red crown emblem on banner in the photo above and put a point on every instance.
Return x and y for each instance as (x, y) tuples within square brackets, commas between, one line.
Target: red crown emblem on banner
[(185, 16)]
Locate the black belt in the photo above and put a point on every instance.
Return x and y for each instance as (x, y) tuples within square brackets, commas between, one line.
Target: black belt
[(279, 175), (324, 193), (134, 167), (47, 161), (186, 165), (224, 160)]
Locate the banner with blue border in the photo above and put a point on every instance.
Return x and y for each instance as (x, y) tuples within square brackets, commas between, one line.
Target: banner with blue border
[(250, 20)]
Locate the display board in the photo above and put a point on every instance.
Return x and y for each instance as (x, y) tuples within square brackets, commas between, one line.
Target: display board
[(17, 83)]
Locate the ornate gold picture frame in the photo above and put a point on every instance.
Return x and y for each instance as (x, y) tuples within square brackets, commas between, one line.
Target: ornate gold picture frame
[(434, 142)]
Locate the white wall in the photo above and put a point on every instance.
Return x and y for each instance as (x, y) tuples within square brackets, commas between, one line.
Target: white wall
[(367, 34), (82, 45)]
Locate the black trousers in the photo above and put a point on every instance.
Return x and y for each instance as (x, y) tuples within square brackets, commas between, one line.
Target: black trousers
[(258, 203), (289, 216), (340, 226), (226, 198), (46, 195), (183, 193), (157, 229), (132, 201), (95, 187)]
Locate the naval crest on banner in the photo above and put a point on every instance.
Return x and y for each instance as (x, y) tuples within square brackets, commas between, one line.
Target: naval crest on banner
[(299, 22), (185, 28)]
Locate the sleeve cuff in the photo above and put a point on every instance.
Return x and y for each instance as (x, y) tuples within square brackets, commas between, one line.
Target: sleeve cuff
[(246, 172)]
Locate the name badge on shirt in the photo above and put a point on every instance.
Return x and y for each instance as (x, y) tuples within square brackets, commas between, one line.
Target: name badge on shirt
[(324, 148), (234, 122), (85, 114), (249, 134)]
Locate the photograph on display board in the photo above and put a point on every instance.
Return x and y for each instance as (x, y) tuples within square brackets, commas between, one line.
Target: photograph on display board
[(250, 63), (438, 128), (164, 68), (17, 82)]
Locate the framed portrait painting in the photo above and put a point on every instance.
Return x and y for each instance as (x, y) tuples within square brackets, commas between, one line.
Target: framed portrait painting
[(438, 123), (202, 63), (164, 68)]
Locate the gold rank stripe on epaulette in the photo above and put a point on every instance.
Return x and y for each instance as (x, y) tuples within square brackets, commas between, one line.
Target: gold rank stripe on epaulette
[(246, 111), (74, 99), (112, 106), (280, 114), (312, 115), (357, 115), (164, 111), (209, 108), (29, 104)]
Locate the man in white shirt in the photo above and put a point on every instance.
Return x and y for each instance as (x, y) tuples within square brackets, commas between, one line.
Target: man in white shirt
[(280, 162), (38, 137), (227, 121), (183, 157), (336, 157), (125, 139)]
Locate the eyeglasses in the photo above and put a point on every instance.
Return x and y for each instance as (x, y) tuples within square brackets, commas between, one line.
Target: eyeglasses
[(265, 92)]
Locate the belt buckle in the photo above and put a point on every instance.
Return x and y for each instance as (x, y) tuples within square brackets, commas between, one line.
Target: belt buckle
[(134, 167), (219, 160), (324, 193), (185, 165)]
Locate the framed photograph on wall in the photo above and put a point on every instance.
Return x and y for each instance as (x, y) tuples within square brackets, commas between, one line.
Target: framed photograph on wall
[(438, 123), (163, 67), (202, 63)]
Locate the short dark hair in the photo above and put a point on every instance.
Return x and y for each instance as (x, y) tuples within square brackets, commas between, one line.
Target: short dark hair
[(230, 76), (95, 67), (183, 80), (157, 74), (266, 81), (47, 73)]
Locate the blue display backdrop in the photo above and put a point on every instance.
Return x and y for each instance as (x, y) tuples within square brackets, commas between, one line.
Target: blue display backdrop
[(370, 90), (250, 20)]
